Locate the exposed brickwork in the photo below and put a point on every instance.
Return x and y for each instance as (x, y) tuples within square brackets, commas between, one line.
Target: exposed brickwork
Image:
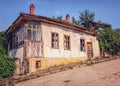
[(68, 17), (32, 8)]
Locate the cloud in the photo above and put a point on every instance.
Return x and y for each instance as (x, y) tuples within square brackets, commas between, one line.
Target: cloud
[(57, 13), (44, 2), (37, 2), (31, 1)]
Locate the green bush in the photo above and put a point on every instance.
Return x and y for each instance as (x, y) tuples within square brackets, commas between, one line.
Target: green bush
[(7, 66)]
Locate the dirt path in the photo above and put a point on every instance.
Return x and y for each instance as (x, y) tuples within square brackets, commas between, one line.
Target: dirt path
[(102, 74)]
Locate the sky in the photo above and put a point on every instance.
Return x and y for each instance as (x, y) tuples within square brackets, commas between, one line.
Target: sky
[(108, 11)]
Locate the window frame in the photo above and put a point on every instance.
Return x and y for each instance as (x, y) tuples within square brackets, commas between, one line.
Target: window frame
[(82, 45), (53, 44), (67, 43), (34, 31), (17, 39), (38, 64)]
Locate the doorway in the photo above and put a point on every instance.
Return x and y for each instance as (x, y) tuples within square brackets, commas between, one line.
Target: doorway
[(89, 50)]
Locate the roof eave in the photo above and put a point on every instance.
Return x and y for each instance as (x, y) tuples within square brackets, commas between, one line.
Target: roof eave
[(19, 18), (58, 22), (27, 17)]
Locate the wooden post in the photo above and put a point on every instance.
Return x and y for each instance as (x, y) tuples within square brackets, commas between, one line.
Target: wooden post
[(25, 39), (25, 59)]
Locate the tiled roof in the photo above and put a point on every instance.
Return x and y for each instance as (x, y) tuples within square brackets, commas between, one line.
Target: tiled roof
[(24, 16)]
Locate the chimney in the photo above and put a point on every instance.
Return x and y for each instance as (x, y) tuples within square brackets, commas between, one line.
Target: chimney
[(32, 8), (68, 17)]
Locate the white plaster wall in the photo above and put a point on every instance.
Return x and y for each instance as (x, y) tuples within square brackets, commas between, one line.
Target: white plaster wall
[(74, 39), (18, 53), (96, 49)]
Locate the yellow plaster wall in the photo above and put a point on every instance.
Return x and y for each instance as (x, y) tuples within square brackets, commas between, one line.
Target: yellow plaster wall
[(48, 62)]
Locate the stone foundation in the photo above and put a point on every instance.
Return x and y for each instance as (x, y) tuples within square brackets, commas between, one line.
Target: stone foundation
[(44, 63)]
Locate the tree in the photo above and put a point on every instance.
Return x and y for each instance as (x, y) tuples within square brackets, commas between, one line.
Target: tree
[(74, 21), (7, 64), (109, 40), (3, 41), (116, 40), (86, 17), (58, 17), (2, 50), (105, 40)]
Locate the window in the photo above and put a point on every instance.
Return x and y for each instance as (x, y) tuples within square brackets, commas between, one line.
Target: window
[(38, 64), (82, 44), (55, 40), (34, 31), (17, 38), (20, 37), (66, 42)]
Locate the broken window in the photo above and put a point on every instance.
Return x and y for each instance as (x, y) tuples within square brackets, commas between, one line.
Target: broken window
[(55, 40), (82, 44), (34, 31), (66, 42)]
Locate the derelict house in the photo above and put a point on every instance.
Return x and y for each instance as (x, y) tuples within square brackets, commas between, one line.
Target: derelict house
[(39, 42)]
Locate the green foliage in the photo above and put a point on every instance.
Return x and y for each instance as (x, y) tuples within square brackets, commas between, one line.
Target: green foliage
[(58, 17), (116, 40), (2, 50), (7, 65), (24, 73), (98, 26), (3, 45), (86, 17), (3, 41), (109, 40), (116, 36), (74, 21), (105, 40)]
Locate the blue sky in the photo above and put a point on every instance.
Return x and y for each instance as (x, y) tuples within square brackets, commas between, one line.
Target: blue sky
[(107, 11)]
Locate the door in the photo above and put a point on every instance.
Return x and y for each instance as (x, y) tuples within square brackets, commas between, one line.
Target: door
[(89, 49)]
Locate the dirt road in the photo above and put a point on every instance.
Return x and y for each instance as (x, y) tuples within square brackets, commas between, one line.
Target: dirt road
[(102, 74)]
